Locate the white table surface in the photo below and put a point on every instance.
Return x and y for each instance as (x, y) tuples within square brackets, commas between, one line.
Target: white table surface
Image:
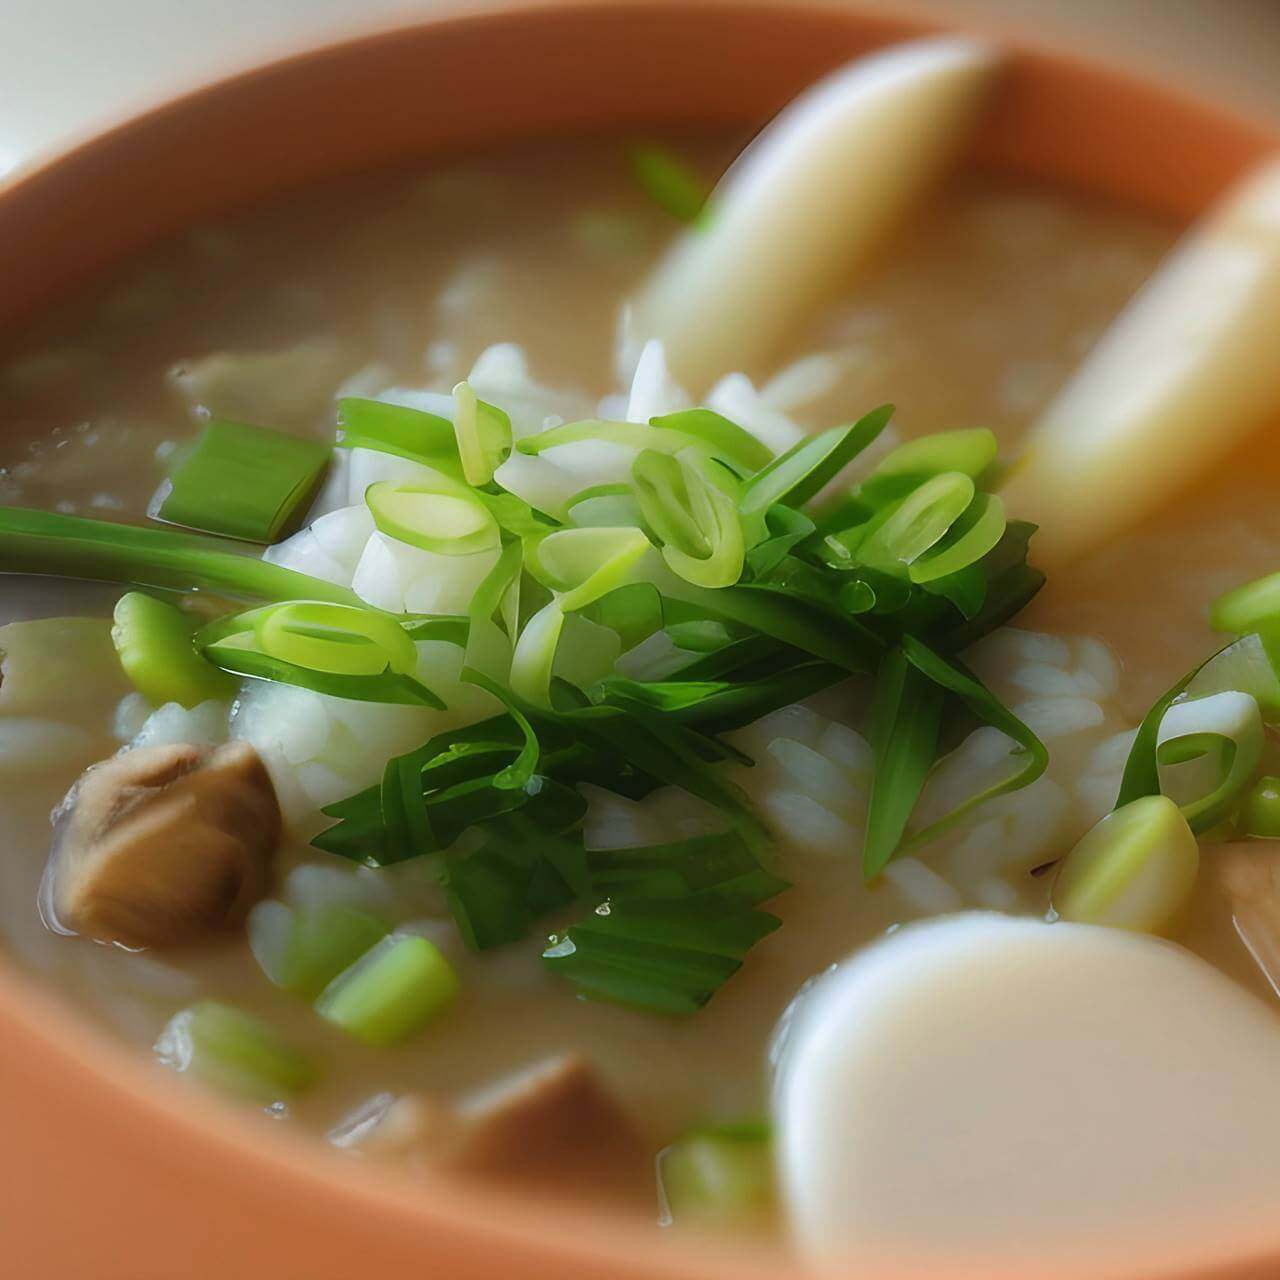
[(68, 65)]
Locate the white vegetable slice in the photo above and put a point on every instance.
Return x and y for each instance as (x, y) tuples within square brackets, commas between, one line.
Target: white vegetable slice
[(808, 200), (957, 1095), (1186, 371)]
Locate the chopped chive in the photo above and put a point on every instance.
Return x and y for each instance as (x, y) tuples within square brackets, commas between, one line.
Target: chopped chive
[(393, 990), (669, 181), (235, 1052), (154, 642), (243, 482), (45, 542)]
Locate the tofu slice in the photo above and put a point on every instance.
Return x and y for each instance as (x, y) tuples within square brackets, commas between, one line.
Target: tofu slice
[(808, 201), (979, 1094), (1184, 373)]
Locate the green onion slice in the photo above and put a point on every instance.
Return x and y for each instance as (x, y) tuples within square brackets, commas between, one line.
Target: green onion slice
[(243, 482), (235, 1052), (73, 547), (408, 433), (918, 522), (799, 474), (335, 638), (669, 181), (154, 640), (483, 434), (969, 538), (392, 991), (584, 564), (448, 519), (1208, 750), (695, 518)]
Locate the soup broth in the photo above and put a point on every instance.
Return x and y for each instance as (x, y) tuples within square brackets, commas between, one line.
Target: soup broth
[(974, 315)]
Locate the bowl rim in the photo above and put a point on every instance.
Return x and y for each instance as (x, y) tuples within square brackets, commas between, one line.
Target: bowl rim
[(389, 1201)]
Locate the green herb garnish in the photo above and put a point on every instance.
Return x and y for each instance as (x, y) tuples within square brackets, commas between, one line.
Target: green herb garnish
[(772, 580), (243, 482)]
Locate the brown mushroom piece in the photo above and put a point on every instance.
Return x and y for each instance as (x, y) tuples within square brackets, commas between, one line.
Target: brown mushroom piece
[(554, 1127), (162, 845)]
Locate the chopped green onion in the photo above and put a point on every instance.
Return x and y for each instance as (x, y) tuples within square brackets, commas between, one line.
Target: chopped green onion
[(974, 533), (238, 654), (242, 482), (334, 638), (73, 547), (1260, 813), (585, 564), (906, 711), (483, 434), (1208, 750), (1244, 665), (668, 181), (970, 452), (408, 433), (725, 438), (235, 1052), (719, 1176), (635, 435), (1248, 607), (393, 990), (154, 641), (919, 521), (1134, 870), (447, 522), (535, 655), (697, 521), (302, 951), (801, 473)]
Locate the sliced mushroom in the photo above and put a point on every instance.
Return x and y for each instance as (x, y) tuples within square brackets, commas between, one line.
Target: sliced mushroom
[(552, 1127), (162, 845)]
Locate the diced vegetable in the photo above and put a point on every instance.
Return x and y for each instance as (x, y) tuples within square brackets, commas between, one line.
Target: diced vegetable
[(242, 482), (234, 1051), (303, 950), (154, 641), (719, 1176), (1134, 870), (669, 181), (392, 991), (1260, 813)]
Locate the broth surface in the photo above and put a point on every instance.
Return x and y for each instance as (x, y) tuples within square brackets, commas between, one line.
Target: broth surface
[(975, 315)]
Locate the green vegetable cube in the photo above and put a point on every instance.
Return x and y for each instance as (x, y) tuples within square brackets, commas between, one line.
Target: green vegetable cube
[(391, 992), (235, 1052)]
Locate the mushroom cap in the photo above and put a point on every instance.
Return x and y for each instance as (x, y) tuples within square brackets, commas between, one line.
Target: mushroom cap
[(163, 845)]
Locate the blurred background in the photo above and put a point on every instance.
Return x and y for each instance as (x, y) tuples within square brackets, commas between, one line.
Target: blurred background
[(66, 65)]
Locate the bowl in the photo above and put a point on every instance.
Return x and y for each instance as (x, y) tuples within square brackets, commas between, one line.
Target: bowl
[(112, 1173)]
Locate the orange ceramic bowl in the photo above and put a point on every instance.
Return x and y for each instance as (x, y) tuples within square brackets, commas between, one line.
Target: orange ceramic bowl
[(108, 1173)]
